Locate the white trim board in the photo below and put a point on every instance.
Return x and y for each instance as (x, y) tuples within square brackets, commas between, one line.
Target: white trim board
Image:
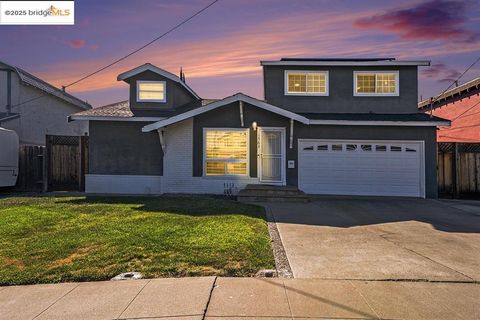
[(347, 63), (164, 83), (123, 184), (204, 173), (376, 94), (381, 123), (308, 94), (106, 118), (223, 102), (157, 70)]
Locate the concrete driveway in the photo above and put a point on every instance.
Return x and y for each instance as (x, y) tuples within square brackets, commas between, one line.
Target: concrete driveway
[(367, 238)]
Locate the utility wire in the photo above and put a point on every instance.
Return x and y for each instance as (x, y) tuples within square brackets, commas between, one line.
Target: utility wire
[(126, 56), (144, 46), (455, 81)]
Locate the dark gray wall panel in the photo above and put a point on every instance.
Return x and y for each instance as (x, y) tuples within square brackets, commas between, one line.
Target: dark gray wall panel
[(341, 98), (122, 148), (177, 96), (229, 117)]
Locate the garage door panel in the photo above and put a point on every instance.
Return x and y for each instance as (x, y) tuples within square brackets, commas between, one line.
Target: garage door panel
[(360, 168)]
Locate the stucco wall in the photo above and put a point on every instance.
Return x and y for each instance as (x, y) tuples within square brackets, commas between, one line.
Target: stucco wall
[(229, 116), (341, 98), (46, 115)]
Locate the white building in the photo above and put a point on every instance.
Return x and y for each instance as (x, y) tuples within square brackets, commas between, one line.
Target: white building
[(34, 108)]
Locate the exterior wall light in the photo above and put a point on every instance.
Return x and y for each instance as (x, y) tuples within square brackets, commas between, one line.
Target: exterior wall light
[(254, 125)]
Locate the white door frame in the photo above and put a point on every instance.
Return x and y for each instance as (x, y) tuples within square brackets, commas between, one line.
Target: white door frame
[(423, 179), (283, 159)]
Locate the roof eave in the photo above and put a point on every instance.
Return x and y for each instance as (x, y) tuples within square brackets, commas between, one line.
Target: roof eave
[(382, 123), (347, 63)]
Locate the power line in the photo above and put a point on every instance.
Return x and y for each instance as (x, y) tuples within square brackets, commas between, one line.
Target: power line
[(461, 114), (128, 55), (455, 81), (144, 46)]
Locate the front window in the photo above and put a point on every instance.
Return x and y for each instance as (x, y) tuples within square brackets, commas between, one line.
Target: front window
[(306, 83), (226, 152), (376, 83), (151, 91)]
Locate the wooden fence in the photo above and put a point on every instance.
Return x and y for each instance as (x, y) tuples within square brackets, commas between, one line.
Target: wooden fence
[(458, 169), (60, 165), (30, 168)]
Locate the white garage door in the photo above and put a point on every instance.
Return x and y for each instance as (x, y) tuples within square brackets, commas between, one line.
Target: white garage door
[(384, 168)]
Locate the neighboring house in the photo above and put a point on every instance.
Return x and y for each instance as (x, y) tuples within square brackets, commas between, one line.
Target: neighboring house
[(460, 105), (328, 126), (34, 108)]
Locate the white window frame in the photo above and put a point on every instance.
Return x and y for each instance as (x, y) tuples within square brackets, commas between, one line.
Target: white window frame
[(327, 83), (247, 173), (152, 100), (359, 94)]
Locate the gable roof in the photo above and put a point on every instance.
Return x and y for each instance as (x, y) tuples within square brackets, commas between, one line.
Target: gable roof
[(465, 90), (44, 86), (157, 70), (344, 62), (221, 103)]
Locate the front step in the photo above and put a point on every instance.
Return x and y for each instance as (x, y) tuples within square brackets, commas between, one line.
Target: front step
[(268, 193)]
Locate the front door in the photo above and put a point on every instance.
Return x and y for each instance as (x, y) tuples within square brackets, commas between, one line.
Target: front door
[(271, 155)]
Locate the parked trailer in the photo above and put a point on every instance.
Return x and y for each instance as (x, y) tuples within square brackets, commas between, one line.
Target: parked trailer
[(8, 157)]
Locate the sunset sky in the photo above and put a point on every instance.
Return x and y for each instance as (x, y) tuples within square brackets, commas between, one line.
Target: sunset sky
[(220, 50)]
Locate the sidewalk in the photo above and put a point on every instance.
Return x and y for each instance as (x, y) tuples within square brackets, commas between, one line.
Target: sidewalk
[(241, 298)]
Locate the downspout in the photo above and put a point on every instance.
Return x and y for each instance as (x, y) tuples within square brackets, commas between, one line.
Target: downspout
[(241, 112), (291, 133), (161, 136), (9, 92)]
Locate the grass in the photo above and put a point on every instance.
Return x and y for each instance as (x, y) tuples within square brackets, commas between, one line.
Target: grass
[(59, 239)]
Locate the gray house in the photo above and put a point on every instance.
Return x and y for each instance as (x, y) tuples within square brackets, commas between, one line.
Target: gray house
[(34, 108), (326, 126)]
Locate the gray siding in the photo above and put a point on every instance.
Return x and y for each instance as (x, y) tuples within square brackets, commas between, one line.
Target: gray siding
[(177, 96), (341, 98), (122, 148), (228, 117), (38, 117)]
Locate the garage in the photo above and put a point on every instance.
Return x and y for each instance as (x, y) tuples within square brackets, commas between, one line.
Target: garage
[(361, 167)]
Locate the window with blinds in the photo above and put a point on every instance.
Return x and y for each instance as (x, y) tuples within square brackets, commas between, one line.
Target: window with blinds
[(226, 152), (151, 91), (306, 82)]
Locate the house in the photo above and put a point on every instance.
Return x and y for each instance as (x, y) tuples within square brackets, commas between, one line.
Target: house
[(34, 108), (460, 105), (326, 126)]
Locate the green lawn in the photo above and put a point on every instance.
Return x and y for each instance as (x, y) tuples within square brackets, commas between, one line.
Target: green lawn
[(56, 239)]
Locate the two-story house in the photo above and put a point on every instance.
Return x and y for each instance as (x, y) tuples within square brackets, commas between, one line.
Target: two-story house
[(34, 108), (326, 126)]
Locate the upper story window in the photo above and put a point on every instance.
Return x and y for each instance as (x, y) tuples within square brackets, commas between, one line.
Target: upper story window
[(375, 83), (306, 83), (151, 91)]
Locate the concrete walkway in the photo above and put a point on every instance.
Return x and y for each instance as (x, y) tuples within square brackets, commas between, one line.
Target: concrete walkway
[(241, 298)]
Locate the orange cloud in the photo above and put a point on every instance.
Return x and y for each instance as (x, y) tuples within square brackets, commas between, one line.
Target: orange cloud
[(77, 43), (238, 54)]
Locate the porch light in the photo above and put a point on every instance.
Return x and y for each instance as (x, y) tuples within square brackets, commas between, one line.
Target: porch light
[(254, 125)]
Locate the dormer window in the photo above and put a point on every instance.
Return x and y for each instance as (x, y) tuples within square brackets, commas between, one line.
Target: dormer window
[(306, 83), (151, 91), (375, 83)]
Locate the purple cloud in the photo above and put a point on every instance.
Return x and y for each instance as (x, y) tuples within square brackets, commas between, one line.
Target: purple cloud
[(441, 72), (433, 20)]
